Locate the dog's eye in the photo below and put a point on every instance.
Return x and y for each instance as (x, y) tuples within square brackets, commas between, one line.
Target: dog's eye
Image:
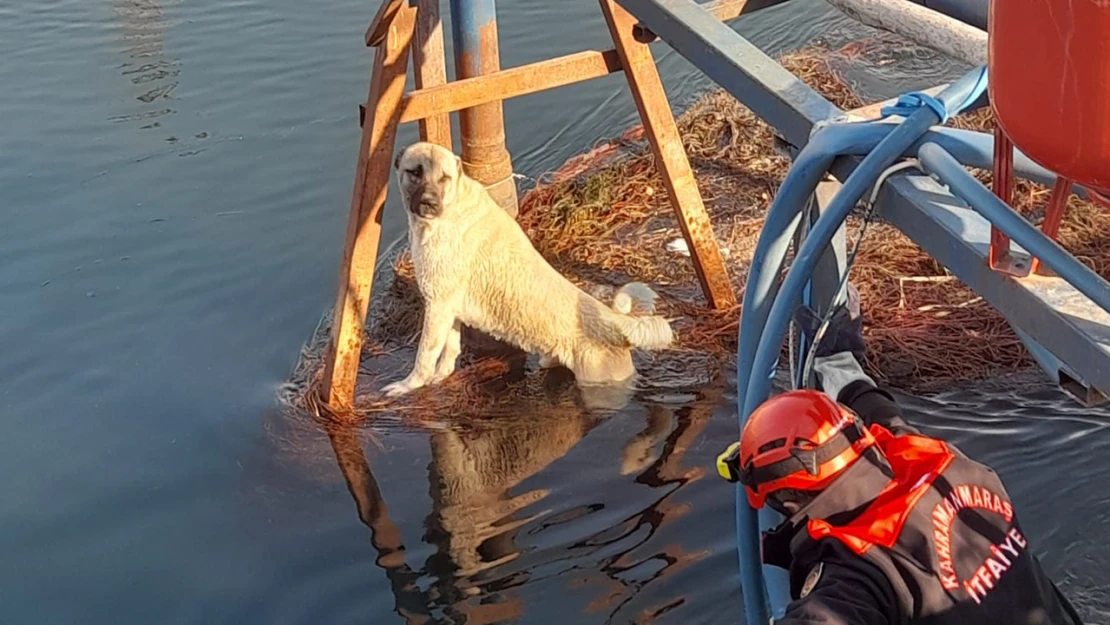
[(445, 178), (413, 173)]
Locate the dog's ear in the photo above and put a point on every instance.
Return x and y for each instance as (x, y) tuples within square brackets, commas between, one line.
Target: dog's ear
[(458, 165), (397, 159)]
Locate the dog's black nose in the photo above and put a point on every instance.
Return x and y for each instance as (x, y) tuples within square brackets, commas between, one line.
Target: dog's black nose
[(429, 205)]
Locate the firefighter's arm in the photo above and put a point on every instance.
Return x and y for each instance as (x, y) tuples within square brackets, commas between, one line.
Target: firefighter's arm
[(843, 594), (853, 388), (838, 362)]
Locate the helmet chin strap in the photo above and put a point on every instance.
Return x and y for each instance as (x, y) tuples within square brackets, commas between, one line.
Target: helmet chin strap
[(793, 501), (778, 506)]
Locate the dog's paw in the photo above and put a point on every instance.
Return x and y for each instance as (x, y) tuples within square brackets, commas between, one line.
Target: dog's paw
[(442, 372), (398, 389)]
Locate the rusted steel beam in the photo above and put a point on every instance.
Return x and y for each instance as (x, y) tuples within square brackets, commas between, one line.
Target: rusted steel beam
[(670, 156), (364, 225), (1054, 214), (430, 69), (509, 83), (1002, 183), (482, 127), (724, 10), (375, 34)]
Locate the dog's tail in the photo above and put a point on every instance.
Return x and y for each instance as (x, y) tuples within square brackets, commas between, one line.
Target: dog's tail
[(632, 316)]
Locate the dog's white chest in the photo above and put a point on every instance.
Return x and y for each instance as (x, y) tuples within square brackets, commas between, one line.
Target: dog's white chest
[(435, 262)]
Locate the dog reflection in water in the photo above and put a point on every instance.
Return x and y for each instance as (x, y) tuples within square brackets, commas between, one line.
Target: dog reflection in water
[(475, 516)]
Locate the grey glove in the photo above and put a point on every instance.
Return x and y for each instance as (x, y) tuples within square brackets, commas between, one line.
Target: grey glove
[(836, 372), (845, 331), (840, 351)]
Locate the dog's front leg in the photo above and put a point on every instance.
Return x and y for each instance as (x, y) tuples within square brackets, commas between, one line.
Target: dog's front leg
[(439, 320), (446, 365)]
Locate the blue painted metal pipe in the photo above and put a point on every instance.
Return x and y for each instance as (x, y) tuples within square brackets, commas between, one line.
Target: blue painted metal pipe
[(782, 222), (763, 368), (770, 585), (482, 127), (937, 161), (468, 19)]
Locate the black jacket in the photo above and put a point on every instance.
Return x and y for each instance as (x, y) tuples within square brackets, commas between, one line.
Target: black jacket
[(958, 554)]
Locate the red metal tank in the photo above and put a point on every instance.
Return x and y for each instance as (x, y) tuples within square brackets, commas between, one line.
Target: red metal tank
[(1049, 64)]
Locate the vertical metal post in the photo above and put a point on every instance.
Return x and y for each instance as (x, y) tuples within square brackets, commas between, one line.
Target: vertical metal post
[(364, 223), (485, 158), (1054, 214), (430, 69), (1002, 184), (821, 294)]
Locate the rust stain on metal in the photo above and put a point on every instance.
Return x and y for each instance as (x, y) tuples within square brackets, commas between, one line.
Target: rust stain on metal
[(430, 69), (383, 19), (1054, 214), (678, 177), (509, 83), (356, 273), (1002, 184), (484, 155)]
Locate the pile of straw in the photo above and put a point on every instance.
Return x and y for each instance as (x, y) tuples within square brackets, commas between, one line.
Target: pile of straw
[(603, 219)]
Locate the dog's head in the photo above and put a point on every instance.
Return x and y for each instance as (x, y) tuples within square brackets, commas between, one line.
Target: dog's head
[(429, 178)]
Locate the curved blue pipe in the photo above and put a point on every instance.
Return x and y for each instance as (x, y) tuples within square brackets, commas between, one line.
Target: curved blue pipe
[(782, 220), (937, 161), (763, 368), (756, 358)]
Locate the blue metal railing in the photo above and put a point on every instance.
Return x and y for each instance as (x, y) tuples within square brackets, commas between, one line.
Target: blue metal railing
[(944, 166)]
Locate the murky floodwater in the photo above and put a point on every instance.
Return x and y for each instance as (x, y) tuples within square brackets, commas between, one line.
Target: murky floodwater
[(175, 177)]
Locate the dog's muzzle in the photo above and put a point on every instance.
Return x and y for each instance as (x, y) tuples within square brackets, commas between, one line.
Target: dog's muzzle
[(425, 203)]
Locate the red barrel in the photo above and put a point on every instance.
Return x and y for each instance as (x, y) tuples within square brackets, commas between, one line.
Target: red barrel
[(1049, 65)]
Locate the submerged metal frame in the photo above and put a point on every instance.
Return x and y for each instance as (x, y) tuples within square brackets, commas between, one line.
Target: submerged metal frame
[(1068, 334)]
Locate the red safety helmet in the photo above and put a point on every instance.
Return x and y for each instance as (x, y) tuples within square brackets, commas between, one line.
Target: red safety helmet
[(798, 440)]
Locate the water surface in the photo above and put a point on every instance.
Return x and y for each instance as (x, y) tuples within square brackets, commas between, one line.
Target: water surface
[(175, 177)]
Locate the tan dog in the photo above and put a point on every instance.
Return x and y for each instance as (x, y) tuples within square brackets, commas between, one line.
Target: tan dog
[(474, 265)]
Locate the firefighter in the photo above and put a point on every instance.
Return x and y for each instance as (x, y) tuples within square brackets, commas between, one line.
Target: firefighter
[(883, 524)]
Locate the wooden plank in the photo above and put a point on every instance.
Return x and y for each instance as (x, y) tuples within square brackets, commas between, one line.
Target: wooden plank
[(430, 69), (379, 26), (509, 83), (356, 274), (670, 156)]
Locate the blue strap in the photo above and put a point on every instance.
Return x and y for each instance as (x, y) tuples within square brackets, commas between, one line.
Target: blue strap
[(910, 102)]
